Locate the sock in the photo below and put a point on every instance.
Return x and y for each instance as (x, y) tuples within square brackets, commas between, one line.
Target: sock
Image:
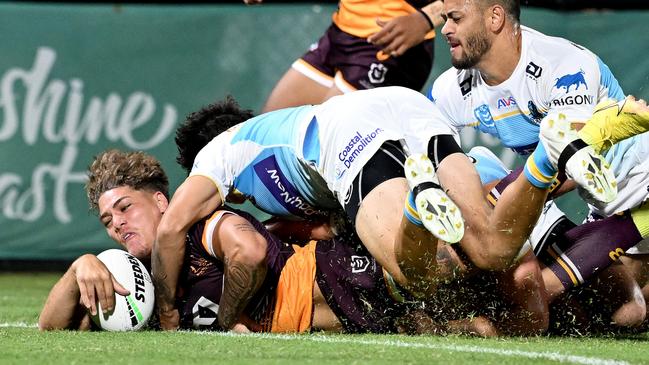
[(410, 210), (538, 170), (640, 216)]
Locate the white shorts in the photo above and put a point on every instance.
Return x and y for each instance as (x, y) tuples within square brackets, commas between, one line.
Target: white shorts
[(353, 127)]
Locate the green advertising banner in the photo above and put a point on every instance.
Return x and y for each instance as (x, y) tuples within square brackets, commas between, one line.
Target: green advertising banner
[(78, 79)]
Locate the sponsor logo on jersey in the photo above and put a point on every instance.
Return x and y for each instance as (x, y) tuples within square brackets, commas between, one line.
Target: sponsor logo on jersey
[(281, 188), (204, 312), (465, 86), (566, 81), (506, 102), (354, 148), (377, 72), (533, 70), (359, 264), (573, 100), (535, 114), (483, 114)]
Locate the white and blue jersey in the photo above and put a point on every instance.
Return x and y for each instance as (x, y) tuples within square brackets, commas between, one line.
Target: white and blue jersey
[(260, 159), (553, 74), (301, 161)]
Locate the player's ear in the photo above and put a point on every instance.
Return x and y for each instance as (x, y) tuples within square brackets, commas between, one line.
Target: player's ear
[(497, 16), (161, 201)]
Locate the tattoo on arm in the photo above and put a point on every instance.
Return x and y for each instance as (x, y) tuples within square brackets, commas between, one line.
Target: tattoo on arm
[(241, 283), (245, 227), (163, 294)]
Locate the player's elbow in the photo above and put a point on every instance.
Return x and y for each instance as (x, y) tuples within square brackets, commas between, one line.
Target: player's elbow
[(250, 253), (45, 325), (167, 235)]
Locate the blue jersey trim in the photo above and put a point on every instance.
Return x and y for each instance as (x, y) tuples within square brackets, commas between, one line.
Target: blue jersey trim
[(609, 81)]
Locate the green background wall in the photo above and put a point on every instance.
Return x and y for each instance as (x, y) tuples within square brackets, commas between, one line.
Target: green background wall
[(77, 79)]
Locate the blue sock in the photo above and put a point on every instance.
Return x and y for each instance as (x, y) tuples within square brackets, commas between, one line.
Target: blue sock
[(538, 170), (410, 210)]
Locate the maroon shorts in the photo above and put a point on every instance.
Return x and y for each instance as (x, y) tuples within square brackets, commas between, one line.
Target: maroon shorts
[(357, 60), (354, 287)]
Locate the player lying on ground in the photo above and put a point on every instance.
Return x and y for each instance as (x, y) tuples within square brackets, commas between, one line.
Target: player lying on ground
[(329, 284), (347, 153)]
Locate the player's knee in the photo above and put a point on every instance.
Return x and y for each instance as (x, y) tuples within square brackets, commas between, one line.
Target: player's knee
[(630, 314), (492, 260)]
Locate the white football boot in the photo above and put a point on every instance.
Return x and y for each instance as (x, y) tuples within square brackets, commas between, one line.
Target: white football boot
[(581, 163), (437, 211)]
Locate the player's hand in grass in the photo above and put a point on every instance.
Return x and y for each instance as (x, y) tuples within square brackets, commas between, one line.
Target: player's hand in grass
[(96, 284), (169, 319)]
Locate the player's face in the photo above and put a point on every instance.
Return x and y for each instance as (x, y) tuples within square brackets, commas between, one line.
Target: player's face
[(465, 32), (131, 218)]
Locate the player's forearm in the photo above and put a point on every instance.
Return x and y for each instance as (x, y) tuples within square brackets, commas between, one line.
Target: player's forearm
[(62, 309), (243, 277), (166, 262)]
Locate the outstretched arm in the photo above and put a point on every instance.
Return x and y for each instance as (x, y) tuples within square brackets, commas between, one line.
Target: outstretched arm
[(75, 295), (196, 197)]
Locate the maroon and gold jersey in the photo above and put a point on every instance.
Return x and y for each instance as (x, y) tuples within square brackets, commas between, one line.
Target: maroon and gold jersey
[(203, 274), (358, 17)]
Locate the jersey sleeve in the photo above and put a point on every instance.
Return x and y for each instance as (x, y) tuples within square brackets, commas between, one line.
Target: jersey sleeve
[(445, 94), (574, 85), (211, 163)]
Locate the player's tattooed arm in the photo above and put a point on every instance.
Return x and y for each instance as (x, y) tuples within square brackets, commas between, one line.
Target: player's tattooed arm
[(244, 256), (168, 314), (241, 283)]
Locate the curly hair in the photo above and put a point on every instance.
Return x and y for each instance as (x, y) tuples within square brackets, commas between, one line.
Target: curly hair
[(114, 168), (202, 126)]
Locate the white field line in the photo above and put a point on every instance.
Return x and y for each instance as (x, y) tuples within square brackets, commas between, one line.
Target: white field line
[(18, 325), (554, 356)]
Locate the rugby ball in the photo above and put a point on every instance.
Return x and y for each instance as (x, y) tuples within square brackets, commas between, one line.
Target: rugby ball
[(133, 311)]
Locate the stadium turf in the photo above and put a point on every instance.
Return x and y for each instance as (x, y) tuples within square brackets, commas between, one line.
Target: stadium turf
[(22, 296)]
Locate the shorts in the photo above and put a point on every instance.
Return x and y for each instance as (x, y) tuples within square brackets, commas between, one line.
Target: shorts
[(351, 63), (386, 164), (354, 286), (352, 128)]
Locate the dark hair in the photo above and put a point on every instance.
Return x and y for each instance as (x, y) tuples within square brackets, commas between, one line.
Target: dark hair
[(114, 168), (512, 7), (202, 126)]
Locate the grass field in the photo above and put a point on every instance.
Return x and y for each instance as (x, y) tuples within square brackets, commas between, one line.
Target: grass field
[(22, 295)]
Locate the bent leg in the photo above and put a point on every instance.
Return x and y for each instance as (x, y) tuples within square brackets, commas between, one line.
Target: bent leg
[(408, 252), (295, 89), (522, 287), (492, 238)]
